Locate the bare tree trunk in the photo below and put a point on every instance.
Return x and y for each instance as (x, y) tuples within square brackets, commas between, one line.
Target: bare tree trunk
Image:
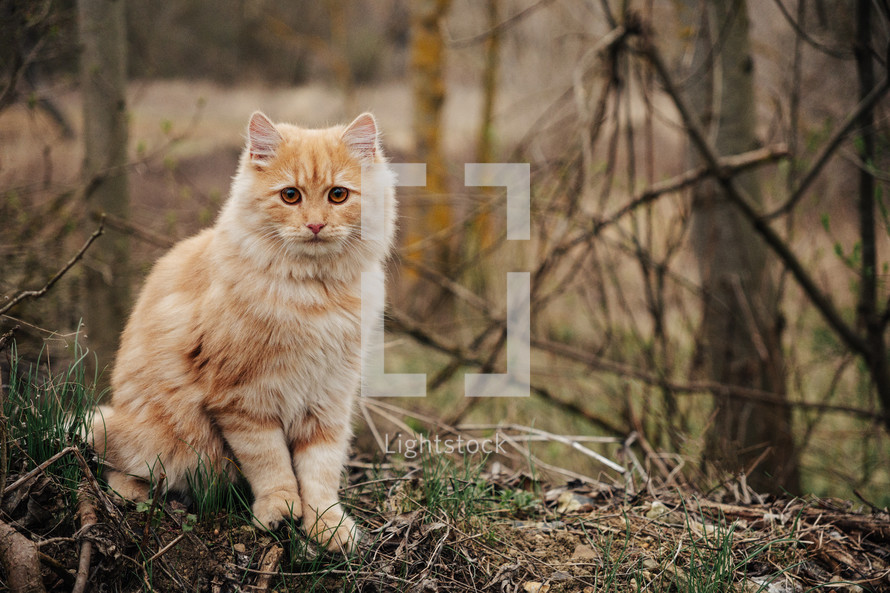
[(485, 143), (103, 77), (428, 83), (741, 323), (339, 11), (868, 313), (479, 235)]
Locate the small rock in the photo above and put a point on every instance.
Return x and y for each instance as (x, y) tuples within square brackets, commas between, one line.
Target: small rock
[(656, 510), (560, 576), (584, 553), (239, 548), (535, 587), (569, 502)]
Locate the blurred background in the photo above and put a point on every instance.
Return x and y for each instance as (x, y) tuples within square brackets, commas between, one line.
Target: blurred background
[(718, 332)]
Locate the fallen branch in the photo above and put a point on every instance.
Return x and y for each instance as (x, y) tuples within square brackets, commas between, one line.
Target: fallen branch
[(57, 567), (166, 548), (20, 559), (86, 511), (28, 476)]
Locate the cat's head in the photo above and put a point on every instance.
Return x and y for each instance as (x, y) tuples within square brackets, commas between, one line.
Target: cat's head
[(298, 192)]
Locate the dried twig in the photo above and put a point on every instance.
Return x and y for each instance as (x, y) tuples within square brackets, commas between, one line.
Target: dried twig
[(28, 476), (36, 294), (167, 548), (6, 337), (500, 27), (830, 147), (125, 226), (57, 567)]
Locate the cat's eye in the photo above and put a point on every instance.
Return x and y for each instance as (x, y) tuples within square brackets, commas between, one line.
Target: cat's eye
[(290, 195), (338, 195)]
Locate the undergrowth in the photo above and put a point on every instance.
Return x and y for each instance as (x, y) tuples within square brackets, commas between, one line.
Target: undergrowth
[(47, 412), (434, 522)]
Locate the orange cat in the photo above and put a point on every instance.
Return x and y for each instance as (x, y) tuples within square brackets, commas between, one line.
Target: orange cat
[(244, 346)]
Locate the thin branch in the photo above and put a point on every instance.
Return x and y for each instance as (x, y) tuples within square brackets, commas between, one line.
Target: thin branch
[(28, 476), (500, 27), (167, 548), (574, 445), (820, 300), (36, 294), (424, 336), (59, 569), (830, 147), (801, 34), (729, 166), (125, 226), (698, 387)]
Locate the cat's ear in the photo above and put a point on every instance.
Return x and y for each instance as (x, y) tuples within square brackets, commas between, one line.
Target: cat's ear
[(262, 138), (361, 136)]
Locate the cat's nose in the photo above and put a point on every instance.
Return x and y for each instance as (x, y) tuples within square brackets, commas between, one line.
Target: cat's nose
[(315, 227)]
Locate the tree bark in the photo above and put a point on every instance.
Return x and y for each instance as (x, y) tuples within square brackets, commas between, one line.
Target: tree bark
[(19, 557), (741, 323), (428, 84), (103, 80), (868, 311)]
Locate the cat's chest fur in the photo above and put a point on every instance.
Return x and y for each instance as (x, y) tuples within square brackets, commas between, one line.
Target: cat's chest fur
[(270, 333)]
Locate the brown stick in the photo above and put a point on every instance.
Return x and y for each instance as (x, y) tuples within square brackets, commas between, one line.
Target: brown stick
[(125, 226), (167, 548), (24, 479), (57, 567), (86, 510), (19, 557)]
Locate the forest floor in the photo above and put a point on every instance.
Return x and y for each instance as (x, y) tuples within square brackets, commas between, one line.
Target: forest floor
[(439, 525), (432, 521)]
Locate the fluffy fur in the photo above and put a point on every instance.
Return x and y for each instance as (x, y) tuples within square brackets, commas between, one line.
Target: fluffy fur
[(243, 351)]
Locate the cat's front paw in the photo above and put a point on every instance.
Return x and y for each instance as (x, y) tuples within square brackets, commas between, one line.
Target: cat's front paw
[(333, 529), (271, 509), (127, 487)]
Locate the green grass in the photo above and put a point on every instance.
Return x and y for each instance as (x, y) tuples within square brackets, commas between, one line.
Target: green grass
[(48, 412), (213, 492)]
